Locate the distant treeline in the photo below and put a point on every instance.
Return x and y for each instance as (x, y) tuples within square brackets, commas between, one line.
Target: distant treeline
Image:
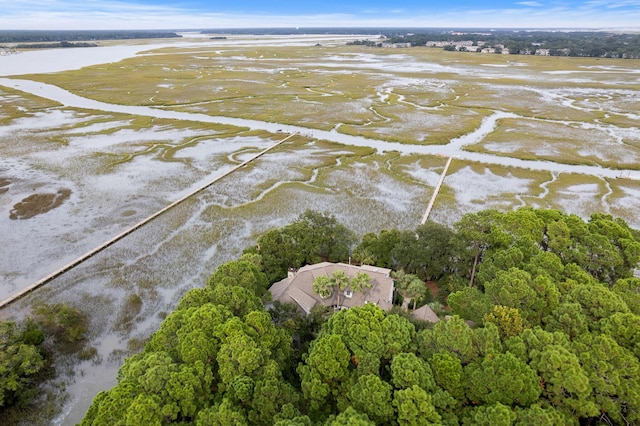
[(591, 44), (68, 36), (62, 44), (364, 43), (293, 31)]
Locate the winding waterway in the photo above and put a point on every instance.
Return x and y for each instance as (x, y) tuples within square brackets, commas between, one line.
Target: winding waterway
[(454, 149)]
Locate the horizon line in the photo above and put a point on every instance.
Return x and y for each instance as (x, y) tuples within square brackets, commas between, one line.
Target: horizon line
[(337, 27)]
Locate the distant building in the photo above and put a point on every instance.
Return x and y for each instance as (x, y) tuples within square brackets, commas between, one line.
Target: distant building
[(437, 43), (396, 45)]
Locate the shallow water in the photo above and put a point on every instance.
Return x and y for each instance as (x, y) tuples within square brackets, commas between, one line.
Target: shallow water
[(56, 60)]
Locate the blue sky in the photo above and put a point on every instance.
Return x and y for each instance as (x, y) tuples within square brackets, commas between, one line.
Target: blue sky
[(184, 14)]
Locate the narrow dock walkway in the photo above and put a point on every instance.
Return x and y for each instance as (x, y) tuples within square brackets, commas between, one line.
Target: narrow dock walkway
[(435, 192), (135, 227)]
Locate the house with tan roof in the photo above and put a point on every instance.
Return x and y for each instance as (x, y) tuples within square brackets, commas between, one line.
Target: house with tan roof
[(297, 288)]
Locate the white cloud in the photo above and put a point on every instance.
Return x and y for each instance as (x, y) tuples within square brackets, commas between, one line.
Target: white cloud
[(91, 14)]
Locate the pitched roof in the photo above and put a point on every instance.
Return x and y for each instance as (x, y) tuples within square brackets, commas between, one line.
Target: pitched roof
[(425, 313), (298, 288)]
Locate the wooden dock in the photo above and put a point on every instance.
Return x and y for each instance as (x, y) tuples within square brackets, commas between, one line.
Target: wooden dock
[(135, 227), (435, 192)]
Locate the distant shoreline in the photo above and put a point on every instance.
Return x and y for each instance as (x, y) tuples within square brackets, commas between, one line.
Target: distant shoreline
[(605, 43), (44, 36)]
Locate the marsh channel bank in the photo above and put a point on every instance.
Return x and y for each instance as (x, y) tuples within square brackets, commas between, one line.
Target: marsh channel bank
[(176, 252)]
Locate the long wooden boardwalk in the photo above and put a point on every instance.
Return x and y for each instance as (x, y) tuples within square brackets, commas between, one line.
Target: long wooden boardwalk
[(435, 192), (135, 227)]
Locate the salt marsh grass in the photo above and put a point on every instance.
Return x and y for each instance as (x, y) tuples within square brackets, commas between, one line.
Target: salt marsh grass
[(623, 201), (582, 193), (564, 142), (420, 96)]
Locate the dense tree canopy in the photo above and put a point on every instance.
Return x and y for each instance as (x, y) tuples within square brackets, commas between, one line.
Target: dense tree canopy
[(27, 351), (425, 252), (558, 43), (21, 359), (544, 329), (312, 238)]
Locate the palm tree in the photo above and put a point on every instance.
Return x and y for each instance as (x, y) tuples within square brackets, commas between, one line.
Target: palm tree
[(400, 278), (340, 281), (323, 286), (409, 286), (361, 282), (415, 290)]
